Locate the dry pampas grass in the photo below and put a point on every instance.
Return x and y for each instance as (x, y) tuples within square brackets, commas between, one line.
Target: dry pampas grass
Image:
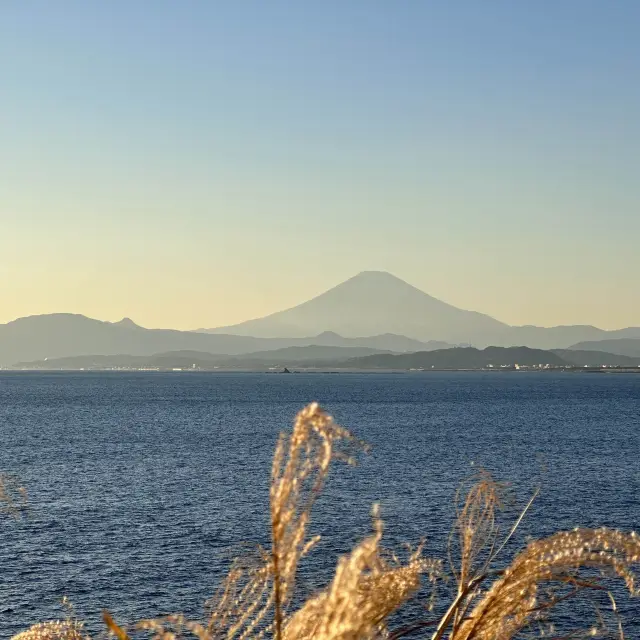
[(366, 589), (55, 630), (516, 599), (370, 585)]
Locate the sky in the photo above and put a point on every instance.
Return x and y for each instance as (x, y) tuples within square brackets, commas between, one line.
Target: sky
[(195, 164)]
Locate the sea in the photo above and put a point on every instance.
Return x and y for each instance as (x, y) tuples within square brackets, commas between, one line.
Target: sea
[(142, 487)]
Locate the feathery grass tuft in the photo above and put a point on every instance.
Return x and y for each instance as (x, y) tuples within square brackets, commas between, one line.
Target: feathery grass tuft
[(366, 589), (54, 630), (300, 467), (516, 599)]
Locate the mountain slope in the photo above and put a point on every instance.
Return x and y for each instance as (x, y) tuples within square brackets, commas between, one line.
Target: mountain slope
[(371, 303), (376, 302), (624, 346), (63, 334), (67, 335), (391, 315)]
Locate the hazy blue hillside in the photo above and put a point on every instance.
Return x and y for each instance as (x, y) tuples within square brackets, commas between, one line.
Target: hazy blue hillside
[(563, 336), (339, 358), (383, 342), (623, 346), (553, 337), (313, 355), (312, 352), (60, 335), (66, 335), (460, 358), (596, 358)]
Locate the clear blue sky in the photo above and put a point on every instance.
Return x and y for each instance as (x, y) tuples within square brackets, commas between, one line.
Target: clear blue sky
[(199, 163)]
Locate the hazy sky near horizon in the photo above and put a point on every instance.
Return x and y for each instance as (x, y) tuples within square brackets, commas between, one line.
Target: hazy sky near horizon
[(199, 163)]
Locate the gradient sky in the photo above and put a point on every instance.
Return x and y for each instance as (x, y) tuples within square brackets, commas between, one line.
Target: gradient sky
[(193, 163)]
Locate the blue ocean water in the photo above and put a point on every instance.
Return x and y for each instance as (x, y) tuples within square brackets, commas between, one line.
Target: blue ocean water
[(142, 486)]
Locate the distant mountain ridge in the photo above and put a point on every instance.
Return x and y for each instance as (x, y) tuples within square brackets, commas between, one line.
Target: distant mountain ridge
[(460, 358), (316, 355), (373, 310), (583, 358), (372, 303), (621, 346), (384, 342), (67, 335), (342, 358), (376, 302), (471, 358)]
